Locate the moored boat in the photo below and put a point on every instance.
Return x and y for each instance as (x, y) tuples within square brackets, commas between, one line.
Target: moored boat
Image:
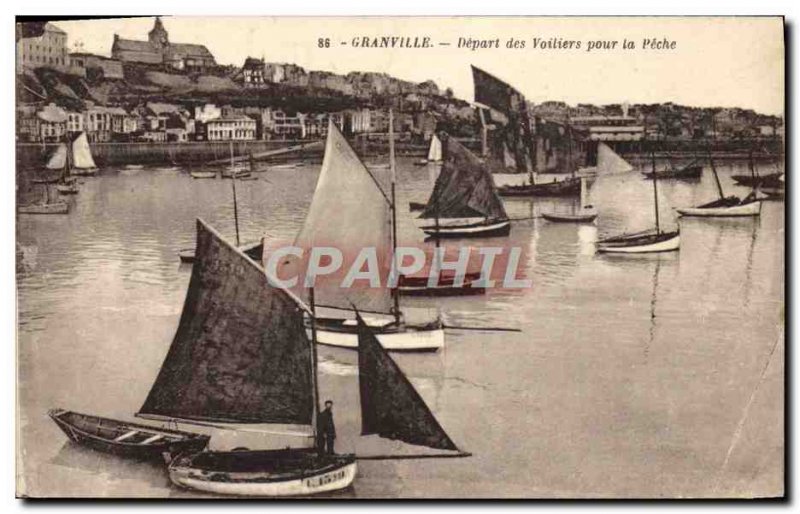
[(653, 242), (569, 186), (725, 206), (584, 214), (44, 208), (203, 174), (464, 201), (690, 171), (445, 286), (124, 438), (82, 160), (253, 249)]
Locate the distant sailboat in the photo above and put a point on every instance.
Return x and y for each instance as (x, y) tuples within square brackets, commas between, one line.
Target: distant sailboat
[(58, 161), (464, 201), (650, 241), (434, 152), (755, 179), (254, 379), (83, 162), (725, 206), (693, 170), (351, 210)]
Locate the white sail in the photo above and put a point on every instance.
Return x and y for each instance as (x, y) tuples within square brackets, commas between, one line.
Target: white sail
[(435, 150), (609, 162), (81, 153), (350, 213), (508, 160), (59, 158)]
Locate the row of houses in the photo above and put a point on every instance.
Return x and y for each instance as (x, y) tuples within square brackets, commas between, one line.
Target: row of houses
[(164, 122)]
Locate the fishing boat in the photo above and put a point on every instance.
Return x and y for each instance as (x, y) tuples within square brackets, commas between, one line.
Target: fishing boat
[(725, 206), (351, 208), (124, 438), (411, 285), (649, 241), (464, 201), (434, 152), (57, 163), (267, 353), (46, 207), (693, 170), (586, 212), (82, 160), (203, 174), (758, 180)]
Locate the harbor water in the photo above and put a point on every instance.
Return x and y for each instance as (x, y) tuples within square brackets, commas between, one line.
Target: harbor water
[(652, 376)]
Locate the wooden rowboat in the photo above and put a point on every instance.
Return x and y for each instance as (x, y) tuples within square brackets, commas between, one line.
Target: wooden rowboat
[(403, 337), (585, 216), (124, 438), (724, 208), (269, 473), (641, 243), (418, 285), (203, 174)]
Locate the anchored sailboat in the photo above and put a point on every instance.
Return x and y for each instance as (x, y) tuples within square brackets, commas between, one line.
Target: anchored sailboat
[(730, 206), (242, 364), (650, 241), (351, 212), (464, 201), (58, 161)]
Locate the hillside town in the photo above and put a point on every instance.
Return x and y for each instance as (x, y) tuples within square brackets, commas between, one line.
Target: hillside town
[(157, 90)]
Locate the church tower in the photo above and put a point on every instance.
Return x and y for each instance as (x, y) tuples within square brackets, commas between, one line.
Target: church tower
[(158, 36)]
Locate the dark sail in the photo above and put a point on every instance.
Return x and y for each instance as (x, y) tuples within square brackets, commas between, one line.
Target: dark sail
[(240, 354), (390, 406), (464, 188), (512, 130)]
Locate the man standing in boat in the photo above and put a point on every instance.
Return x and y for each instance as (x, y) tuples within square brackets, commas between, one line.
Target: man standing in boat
[(326, 430)]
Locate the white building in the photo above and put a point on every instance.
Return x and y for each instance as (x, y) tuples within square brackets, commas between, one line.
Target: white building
[(231, 128)]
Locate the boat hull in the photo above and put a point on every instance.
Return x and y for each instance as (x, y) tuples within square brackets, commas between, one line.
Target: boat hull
[(688, 173), (567, 187), (125, 439), (203, 174), (418, 286), (748, 209), (44, 208), (481, 229), (587, 217), (344, 334), (88, 172), (311, 476), (669, 242), (253, 250), (770, 180)]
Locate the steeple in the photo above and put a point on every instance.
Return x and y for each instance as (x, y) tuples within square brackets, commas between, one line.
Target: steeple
[(158, 35)]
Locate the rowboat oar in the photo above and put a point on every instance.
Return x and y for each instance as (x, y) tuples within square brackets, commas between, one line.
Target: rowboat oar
[(484, 329)]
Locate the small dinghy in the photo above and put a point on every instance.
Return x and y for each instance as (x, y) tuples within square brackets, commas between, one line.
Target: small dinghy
[(585, 214), (203, 174), (464, 201), (125, 439), (418, 285)]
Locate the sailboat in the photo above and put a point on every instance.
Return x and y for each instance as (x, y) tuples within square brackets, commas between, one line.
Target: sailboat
[(242, 363), (730, 206), (650, 241), (464, 201), (585, 214), (570, 186), (351, 211), (82, 161), (757, 180), (434, 152), (59, 160), (254, 249)]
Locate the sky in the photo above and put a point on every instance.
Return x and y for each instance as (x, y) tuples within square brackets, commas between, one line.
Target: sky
[(715, 62)]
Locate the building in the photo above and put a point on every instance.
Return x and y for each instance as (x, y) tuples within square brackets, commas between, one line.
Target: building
[(253, 73), (95, 65), (52, 123), (231, 128), (122, 123), (204, 113), (159, 50), (75, 121), (97, 123), (316, 125), (276, 124), (27, 123), (610, 128), (47, 50)]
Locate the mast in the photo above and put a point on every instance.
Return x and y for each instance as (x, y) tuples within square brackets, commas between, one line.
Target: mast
[(235, 206), (655, 191), (395, 290), (535, 153), (751, 164), (314, 361), (716, 177)]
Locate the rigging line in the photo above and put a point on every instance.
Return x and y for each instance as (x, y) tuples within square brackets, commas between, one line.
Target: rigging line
[(740, 426), (418, 456), (486, 329)]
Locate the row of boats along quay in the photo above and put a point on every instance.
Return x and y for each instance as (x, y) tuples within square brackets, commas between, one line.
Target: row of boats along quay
[(268, 332)]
